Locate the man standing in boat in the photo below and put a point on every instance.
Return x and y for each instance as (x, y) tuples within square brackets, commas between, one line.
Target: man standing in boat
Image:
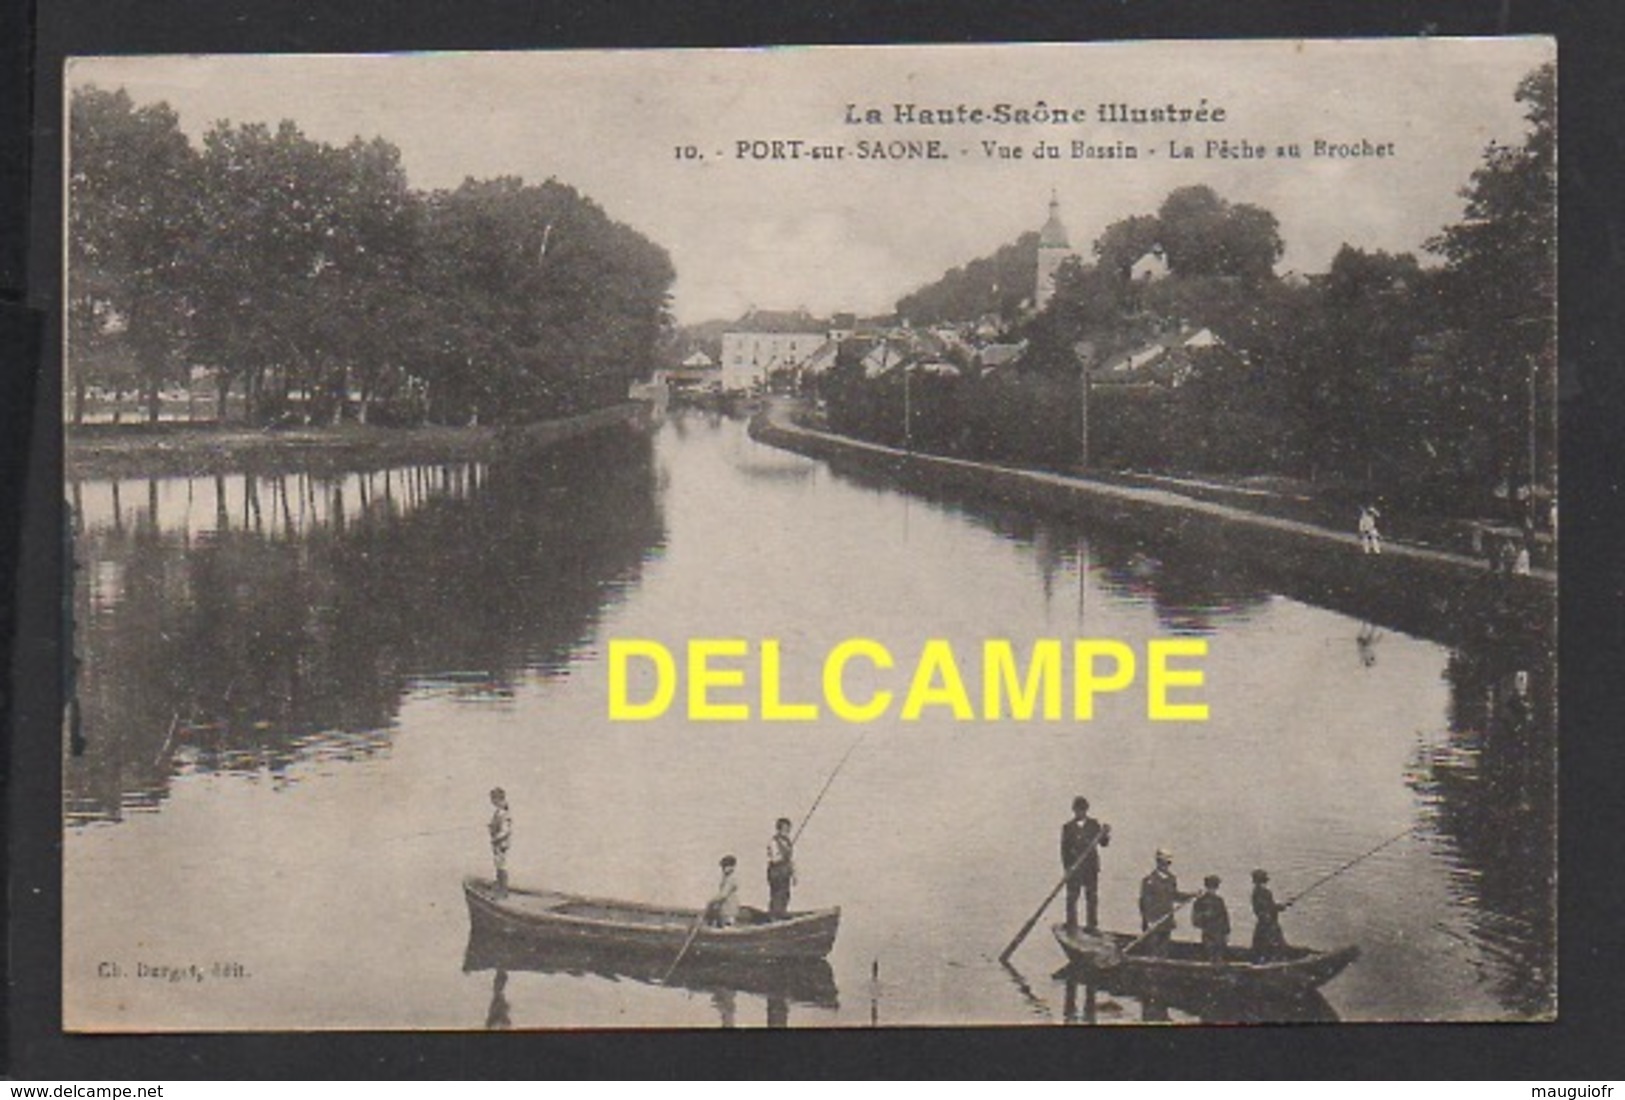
[(1081, 841), (1159, 897), (781, 869), (501, 836), (1268, 939)]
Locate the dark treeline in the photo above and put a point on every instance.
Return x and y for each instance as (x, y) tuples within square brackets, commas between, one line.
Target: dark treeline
[(1434, 383), (311, 280)]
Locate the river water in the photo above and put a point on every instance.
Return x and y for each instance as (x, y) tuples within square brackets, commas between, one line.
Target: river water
[(296, 691)]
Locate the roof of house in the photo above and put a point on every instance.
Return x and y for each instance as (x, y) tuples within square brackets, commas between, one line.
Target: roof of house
[(779, 320), (1001, 355)]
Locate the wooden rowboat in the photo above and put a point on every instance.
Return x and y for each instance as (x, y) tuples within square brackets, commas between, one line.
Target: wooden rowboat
[(629, 927), (1186, 968)]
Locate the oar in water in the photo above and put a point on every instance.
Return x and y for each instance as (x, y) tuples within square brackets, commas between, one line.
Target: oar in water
[(693, 934), (1010, 949), (1114, 956)]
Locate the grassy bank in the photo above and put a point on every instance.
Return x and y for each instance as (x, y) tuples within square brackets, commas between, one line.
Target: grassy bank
[(178, 449)]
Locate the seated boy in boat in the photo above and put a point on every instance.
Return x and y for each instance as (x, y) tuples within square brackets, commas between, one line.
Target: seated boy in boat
[(723, 908)]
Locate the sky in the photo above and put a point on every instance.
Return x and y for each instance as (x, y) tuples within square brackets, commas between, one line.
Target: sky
[(855, 235)]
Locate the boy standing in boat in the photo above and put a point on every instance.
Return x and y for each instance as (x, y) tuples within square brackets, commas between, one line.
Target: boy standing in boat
[(723, 908), (781, 869), (501, 836), (1080, 858), (1268, 939), (1212, 916)]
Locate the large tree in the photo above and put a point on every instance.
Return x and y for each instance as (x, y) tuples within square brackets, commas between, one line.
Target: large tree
[(1203, 234), (1500, 288), (132, 223)]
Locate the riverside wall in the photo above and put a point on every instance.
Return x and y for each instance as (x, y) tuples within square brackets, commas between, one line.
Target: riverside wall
[(1449, 598)]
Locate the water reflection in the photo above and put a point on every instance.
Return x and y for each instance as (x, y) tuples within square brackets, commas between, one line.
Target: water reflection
[(1088, 1000), (1490, 785), (234, 624), (1190, 589), (781, 985)]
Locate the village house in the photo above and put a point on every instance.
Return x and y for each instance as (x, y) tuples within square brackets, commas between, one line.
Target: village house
[(765, 342)]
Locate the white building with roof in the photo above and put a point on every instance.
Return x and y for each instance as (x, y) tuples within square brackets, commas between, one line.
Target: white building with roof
[(765, 341)]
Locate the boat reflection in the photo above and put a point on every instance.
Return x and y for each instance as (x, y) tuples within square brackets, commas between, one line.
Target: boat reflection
[(783, 983), (1158, 1001)]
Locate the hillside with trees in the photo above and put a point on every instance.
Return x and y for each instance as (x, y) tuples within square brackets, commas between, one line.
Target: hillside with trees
[(1434, 385), (999, 284)]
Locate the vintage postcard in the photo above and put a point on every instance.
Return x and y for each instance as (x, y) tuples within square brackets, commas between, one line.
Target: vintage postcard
[(814, 537)]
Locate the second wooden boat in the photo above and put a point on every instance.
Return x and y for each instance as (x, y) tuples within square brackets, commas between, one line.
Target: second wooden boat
[(1186, 966)]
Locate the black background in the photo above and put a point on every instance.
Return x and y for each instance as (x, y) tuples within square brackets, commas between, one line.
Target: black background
[(1585, 1043)]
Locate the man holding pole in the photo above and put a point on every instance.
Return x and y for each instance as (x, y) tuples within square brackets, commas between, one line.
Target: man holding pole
[(1081, 841), (1159, 897)]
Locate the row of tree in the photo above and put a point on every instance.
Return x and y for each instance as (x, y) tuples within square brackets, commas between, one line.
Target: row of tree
[(312, 278), (1436, 382)]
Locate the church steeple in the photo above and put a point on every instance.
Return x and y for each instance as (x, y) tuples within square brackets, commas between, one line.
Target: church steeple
[(1053, 235), (1054, 248)]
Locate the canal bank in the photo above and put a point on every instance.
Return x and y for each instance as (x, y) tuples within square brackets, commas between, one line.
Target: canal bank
[(163, 451), (1450, 598)]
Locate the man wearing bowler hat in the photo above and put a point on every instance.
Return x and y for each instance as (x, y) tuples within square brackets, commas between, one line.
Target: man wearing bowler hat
[(1081, 841)]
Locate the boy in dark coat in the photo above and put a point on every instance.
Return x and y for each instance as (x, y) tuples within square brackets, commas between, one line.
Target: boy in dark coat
[(1268, 939), (1210, 914)]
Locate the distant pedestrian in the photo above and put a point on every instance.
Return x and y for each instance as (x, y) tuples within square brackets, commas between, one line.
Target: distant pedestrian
[(1212, 917), (723, 908), (1078, 837), (781, 869), (1159, 896), (1268, 939), (1370, 537), (1520, 558), (501, 828), (1506, 557)]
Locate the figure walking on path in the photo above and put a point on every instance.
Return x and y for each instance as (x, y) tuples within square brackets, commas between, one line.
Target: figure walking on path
[(1370, 537), (1268, 939), (781, 869), (501, 836), (1077, 837)]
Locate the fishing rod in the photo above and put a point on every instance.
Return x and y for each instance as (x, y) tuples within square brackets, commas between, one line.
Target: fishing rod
[(1357, 859), (825, 789)]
